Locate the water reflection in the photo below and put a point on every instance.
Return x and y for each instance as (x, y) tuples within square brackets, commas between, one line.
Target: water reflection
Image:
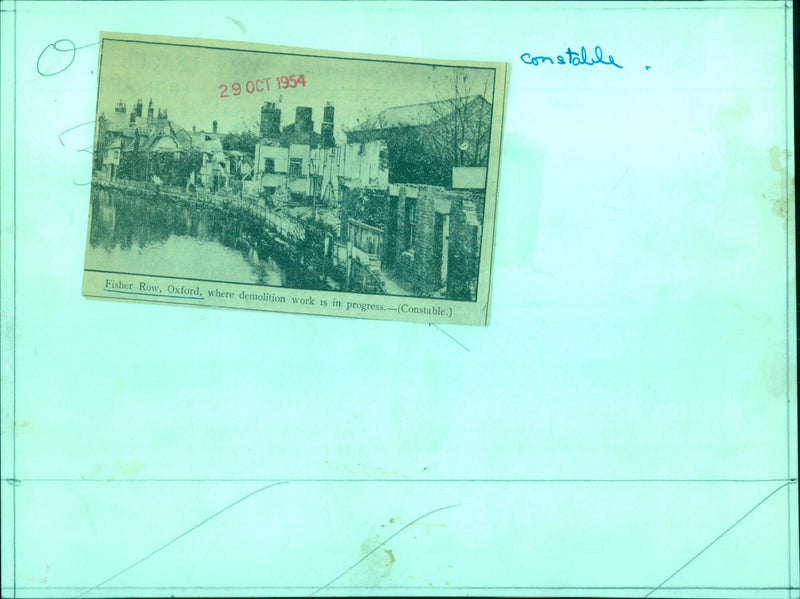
[(137, 233)]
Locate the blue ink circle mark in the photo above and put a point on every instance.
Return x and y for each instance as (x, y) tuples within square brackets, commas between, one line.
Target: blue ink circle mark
[(61, 47), (69, 49)]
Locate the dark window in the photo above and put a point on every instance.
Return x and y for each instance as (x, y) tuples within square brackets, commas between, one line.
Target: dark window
[(295, 167), (410, 223), (269, 165)]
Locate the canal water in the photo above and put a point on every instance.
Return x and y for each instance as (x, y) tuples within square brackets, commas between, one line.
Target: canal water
[(137, 233)]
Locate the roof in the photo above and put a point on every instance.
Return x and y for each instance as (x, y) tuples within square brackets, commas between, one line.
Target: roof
[(414, 115), (183, 137), (210, 146), (167, 128), (198, 137), (291, 134)]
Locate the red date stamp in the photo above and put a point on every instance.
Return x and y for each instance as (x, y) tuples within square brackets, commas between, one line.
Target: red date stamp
[(261, 85)]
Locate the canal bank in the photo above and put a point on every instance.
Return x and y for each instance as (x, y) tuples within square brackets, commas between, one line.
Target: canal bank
[(127, 214)]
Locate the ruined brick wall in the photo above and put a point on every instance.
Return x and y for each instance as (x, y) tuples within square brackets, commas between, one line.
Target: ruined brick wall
[(479, 197), (428, 272), (417, 267), (463, 255), (403, 262)]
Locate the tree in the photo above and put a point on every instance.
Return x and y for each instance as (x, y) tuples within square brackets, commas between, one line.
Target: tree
[(243, 138), (461, 132), (242, 141)]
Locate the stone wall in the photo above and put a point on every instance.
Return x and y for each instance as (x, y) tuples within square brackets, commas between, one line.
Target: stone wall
[(418, 266)]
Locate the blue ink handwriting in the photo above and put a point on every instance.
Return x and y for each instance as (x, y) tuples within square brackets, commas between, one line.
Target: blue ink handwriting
[(61, 135), (571, 57), (57, 57), (87, 149)]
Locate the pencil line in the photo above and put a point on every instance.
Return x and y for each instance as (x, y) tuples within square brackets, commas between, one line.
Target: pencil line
[(789, 274), (14, 321), (415, 586), (325, 586), (451, 337), (726, 531), (180, 536), (402, 480)]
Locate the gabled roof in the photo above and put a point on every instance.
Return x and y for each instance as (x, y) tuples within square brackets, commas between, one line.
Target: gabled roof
[(184, 139), (414, 115), (170, 129)]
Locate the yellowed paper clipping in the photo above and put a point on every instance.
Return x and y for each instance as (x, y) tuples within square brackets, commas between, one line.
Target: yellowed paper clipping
[(271, 178)]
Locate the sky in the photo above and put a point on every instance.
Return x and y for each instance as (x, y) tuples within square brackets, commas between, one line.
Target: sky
[(186, 81)]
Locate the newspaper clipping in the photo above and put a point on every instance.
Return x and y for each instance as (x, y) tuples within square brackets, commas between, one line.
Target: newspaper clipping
[(247, 176)]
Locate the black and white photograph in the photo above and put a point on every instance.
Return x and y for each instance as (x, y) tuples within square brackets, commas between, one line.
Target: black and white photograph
[(369, 182)]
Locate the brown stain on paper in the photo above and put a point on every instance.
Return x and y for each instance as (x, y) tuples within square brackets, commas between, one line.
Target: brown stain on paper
[(378, 563), (780, 201)]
